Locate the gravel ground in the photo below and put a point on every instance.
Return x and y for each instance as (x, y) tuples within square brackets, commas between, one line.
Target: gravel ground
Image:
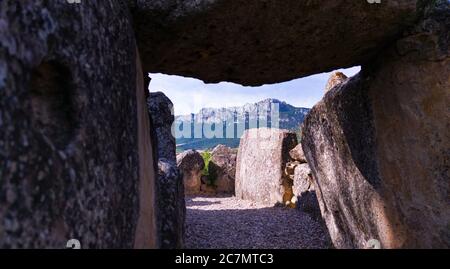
[(229, 223)]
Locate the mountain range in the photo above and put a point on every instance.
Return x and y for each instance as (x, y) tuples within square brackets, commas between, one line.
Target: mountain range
[(212, 126)]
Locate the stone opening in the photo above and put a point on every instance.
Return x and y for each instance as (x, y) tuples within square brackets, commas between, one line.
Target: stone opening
[(233, 178), (390, 187), (52, 102)]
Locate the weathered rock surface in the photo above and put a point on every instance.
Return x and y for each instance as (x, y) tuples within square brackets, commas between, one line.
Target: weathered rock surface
[(297, 154), (161, 112), (227, 40), (379, 144), (302, 179), (304, 192), (70, 128), (223, 166), (171, 205), (191, 165), (335, 79), (262, 156), (304, 197), (75, 147)]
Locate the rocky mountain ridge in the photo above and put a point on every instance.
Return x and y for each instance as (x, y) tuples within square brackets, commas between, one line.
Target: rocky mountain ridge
[(248, 116)]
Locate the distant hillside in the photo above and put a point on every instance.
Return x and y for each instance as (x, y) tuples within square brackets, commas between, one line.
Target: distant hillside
[(261, 114)]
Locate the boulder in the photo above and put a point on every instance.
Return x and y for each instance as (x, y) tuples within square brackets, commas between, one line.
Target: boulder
[(297, 154), (262, 156), (223, 166), (75, 152), (335, 79), (242, 41), (171, 208), (161, 112), (378, 145), (191, 165), (302, 179)]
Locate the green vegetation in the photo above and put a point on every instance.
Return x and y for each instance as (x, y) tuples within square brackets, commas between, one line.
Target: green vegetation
[(208, 170)]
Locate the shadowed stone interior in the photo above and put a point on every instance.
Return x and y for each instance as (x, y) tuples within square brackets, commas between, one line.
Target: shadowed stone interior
[(262, 42), (52, 102)]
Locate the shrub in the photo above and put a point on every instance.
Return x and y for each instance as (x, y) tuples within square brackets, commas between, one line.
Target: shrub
[(208, 171)]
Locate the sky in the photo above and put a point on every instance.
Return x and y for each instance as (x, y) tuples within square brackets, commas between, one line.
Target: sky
[(191, 95)]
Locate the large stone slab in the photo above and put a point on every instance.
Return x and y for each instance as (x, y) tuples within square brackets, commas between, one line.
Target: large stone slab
[(71, 127), (379, 143), (262, 156), (146, 234), (242, 41), (171, 209)]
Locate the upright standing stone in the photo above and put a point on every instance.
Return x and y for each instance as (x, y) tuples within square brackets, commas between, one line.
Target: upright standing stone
[(171, 208), (161, 112), (379, 144), (262, 157), (71, 127)]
